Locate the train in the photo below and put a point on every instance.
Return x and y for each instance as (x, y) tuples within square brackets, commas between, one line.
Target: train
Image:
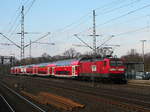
[(87, 67)]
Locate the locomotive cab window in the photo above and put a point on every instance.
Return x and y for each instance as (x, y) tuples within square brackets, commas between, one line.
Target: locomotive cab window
[(116, 63)]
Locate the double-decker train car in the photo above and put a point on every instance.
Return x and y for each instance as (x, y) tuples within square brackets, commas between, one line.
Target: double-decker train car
[(100, 68)]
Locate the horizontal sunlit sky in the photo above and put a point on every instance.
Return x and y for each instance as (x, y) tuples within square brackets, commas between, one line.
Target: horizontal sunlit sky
[(127, 20)]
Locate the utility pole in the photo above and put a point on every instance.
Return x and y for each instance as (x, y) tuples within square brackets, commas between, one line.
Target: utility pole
[(143, 42), (22, 33), (94, 34), (30, 46)]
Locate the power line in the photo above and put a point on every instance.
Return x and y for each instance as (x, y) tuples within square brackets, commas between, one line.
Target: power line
[(14, 21), (128, 13), (30, 6), (130, 20), (113, 9), (111, 3), (38, 39), (120, 7), (132, 31), (69, 25), (124, 33), (14, 27), (16, 18)]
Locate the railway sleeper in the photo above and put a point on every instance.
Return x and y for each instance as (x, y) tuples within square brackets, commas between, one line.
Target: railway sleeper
[(54, 100)]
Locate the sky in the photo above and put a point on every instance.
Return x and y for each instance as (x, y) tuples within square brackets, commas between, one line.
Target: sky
[(127, 20)]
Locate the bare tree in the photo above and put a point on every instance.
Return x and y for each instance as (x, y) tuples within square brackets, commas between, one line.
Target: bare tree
[(133, 56), (71, 53)]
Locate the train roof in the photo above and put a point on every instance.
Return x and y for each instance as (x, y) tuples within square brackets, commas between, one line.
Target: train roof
[(67, 62), (42, 64)]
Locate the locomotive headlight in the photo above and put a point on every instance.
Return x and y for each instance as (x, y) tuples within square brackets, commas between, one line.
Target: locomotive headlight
[(112, 69), (121, 69)]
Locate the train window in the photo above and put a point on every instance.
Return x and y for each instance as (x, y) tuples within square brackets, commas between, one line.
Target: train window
[(119, 63), (116, 63), (63, 72), (73, 70), (112, 63)]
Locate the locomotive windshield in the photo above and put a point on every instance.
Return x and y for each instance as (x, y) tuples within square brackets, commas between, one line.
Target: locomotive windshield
[(116, 63)]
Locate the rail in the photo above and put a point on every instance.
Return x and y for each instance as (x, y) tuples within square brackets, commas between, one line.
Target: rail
[(23, 98), (6, 102)]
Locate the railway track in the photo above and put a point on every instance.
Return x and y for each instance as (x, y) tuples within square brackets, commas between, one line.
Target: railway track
[(119, 100), (109, 98), (125, 102), (4, 105), (25, 102)]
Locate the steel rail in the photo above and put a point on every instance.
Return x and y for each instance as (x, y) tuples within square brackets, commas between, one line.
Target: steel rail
[(105, 91), (119, 103), (127, 101), (23, 98), (7, 103), (137, 102)]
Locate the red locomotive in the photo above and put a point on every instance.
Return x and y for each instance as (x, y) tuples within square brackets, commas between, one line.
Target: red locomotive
[(103, 68)]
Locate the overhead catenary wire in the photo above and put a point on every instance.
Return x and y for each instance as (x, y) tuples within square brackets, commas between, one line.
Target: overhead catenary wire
[(123, 33), (81, 18), (11, 24), (73, 23), (118, 8), (132, 31), (114, 9), (121, 16), (30, 6), (129, 21), (37, 39), (126, 14), (14, 23), (109, 4)]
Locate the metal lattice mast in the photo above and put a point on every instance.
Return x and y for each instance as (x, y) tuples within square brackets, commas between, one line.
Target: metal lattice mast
[(94, 34), (22, 33)]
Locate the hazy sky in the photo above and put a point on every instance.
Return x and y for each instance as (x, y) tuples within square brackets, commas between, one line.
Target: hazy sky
[(64, 18)]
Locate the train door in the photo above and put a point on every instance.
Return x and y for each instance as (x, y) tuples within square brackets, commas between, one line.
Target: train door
[(53, 68), (35, 70), (104, 67), (48, 70), (15, 71), (73, 70)]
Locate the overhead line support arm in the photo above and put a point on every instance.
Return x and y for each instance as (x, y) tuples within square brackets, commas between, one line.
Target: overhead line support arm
[(83, 41), (10, 40)]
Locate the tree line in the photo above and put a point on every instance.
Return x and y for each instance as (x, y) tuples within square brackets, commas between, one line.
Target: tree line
[(131, 56)]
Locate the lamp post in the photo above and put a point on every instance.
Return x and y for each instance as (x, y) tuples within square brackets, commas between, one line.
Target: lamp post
[(143, 42)]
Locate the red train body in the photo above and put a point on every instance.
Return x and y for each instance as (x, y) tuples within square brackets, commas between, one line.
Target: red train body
[(110, 68)]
